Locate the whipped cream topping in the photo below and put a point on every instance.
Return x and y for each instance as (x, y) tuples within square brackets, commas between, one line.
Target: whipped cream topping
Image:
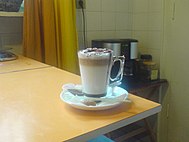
[(95, 52)]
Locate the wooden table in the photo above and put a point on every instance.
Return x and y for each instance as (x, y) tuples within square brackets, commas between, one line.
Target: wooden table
[(31, 109), (20, 64)]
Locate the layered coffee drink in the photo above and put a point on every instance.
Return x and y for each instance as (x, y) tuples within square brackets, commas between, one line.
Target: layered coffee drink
[(95, 64)]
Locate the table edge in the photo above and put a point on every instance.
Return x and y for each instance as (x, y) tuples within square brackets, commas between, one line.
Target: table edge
[(116, 125)]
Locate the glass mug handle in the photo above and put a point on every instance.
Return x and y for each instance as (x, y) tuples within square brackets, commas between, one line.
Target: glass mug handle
[(117, 80)]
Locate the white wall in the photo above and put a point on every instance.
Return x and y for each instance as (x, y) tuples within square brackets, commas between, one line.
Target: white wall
[(140, 19), (106, 19), (148, 26), (176, 68)]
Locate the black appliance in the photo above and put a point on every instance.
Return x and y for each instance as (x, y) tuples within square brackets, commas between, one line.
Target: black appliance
[(126, 47)]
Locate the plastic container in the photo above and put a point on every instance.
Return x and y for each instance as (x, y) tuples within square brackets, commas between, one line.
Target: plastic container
[(149, 71)]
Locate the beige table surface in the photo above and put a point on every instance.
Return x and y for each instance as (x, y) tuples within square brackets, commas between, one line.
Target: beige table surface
[(31, 109), (20, 64)]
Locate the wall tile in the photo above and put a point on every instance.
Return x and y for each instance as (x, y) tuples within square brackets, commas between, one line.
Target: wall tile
[(140, 6), (123, 21), (123, 34), (93, 5), (11, 24), (80, 40), (142, 37), (155, 40), (107, 34), (93, 21), (155, 21), (140, 21), (93, 35), (11, 39), (155, 5), (108, 21), (108, 5), (123, 6), (79, 20), (103, 20), (1, 44), (130, 6), (11, 29)]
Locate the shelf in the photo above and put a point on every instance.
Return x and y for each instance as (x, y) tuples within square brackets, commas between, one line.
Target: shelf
[(11, 14)]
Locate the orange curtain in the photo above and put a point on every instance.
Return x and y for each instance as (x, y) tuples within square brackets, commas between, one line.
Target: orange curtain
[(50, 33)]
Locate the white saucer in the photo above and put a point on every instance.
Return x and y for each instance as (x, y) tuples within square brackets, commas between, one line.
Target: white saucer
[(113, 98)]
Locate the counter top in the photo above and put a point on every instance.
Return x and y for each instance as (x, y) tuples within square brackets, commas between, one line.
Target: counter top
[(133, 85), (20, 64)]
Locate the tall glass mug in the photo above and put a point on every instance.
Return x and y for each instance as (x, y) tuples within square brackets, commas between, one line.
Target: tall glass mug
[(95, 68)]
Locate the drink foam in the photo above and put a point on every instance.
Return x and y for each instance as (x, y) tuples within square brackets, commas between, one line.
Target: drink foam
[(94, 56), (94, 53)]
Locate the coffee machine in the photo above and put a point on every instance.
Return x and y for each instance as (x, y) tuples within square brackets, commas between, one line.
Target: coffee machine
[(126, 47)]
